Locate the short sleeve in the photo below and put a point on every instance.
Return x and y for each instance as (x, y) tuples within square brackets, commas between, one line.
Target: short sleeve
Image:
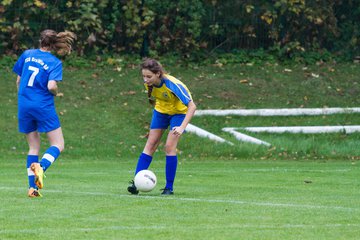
[(56, 73), (18, 67)]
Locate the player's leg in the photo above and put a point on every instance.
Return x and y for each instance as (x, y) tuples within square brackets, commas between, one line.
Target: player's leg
[(171, 155), (151, 145), (159, 123), (51, 125), (145, 157), (28, 126), (33, 139), (171, 162), (56, 140)]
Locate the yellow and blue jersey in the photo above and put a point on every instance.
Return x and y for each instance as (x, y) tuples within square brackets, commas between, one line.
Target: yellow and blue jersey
[(172, 96)]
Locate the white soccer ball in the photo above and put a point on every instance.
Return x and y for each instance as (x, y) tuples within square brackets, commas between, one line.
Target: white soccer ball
[(145, 181)]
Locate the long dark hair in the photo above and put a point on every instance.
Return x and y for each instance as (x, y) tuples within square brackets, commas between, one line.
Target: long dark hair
[(155, 67)]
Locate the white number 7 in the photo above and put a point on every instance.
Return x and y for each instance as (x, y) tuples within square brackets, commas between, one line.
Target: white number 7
[(33, 75)]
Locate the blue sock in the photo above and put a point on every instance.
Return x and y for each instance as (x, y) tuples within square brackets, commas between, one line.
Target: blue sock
[(143, 162), (31, 159), (170, 171), (51, 154)]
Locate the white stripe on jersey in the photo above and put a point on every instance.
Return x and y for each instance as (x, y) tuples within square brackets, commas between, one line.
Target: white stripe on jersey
[(182, 92)]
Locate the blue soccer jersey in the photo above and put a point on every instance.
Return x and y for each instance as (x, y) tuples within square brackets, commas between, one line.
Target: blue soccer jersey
[(36, 68), (36, 109)]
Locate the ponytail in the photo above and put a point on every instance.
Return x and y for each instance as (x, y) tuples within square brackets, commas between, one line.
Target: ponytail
[(151, 100), (60, 42), (64, 42)]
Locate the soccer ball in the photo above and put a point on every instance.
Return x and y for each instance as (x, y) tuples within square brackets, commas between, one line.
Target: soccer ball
[(145, 181)]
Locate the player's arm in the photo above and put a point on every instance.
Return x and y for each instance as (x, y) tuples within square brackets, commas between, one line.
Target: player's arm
[(52, 86), (18, 82), (189, 114)]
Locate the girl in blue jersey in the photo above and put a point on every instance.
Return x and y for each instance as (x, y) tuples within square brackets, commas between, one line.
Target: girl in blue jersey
[(38, 72), (174, 107)]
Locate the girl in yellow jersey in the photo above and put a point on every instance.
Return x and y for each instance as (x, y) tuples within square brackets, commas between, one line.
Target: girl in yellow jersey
[(174, 107)]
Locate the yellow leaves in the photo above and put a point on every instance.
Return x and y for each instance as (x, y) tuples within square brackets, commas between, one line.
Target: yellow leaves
[(315, 20), (218, 64), (244, 81), (39, 4), (314, 75), (207, 96), (267, 17), (318, 21), (69, 4), (62, 113), (249, 8), (128, 93), (340, 91), (6, 2)]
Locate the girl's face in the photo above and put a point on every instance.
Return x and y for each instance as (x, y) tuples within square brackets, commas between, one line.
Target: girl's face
[(150, 78)]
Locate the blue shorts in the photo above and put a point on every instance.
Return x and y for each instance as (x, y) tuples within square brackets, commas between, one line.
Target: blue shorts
[(29, 121), (163, 121)]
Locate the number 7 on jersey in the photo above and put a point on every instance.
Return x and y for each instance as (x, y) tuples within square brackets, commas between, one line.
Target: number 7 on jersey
[(33, 75)]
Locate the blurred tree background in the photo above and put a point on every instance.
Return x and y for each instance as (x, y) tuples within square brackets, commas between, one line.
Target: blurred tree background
[(191, 29)]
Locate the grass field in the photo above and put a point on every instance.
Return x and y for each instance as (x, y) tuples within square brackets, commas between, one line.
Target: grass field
[(214, 200), (305, 186)]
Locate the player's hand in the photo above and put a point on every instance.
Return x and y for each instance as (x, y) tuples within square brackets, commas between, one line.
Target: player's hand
[(177, 131)]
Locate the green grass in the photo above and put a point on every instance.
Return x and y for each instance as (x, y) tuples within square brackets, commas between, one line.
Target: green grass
[(104, 112), (215, 199), (243, 191)]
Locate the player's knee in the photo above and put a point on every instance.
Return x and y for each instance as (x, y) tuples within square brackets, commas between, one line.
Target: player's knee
[(170, 149), (151, 146)]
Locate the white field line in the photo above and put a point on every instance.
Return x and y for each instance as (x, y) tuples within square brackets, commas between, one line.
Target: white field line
[(305, 129), (234, 226), (203, 200), (278, 112), (227, 171)]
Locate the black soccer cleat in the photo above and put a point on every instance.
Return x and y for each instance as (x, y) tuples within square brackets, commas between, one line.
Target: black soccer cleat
[(132, 188), (167, 191)]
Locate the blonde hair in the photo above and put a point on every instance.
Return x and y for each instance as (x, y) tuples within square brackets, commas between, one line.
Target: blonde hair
[(60, 42)]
